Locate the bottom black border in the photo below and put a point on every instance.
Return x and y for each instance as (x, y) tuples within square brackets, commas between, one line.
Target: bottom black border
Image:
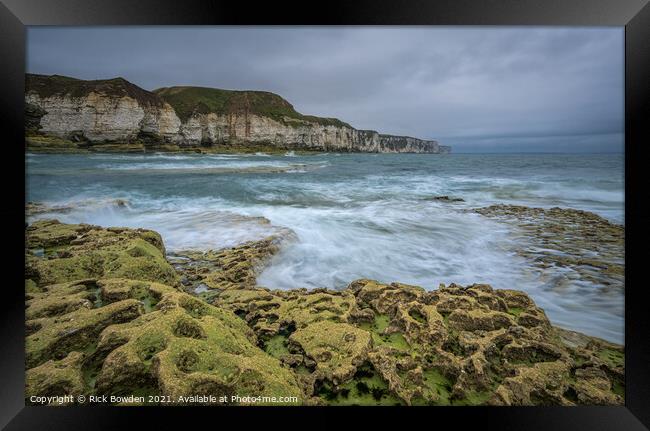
[(593, 418)]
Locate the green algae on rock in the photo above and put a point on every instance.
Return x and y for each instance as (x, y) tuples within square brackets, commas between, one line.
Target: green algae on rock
[(186, 347), (127, 325), (74, 252), (235, 267), (56, 378), (454, 346), (133, 336)]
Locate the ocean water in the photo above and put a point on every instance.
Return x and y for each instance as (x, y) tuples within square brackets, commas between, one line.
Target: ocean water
[(355, 215)]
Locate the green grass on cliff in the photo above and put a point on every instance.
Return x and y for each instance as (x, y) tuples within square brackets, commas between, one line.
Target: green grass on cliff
[(187, 101), (57, 85)]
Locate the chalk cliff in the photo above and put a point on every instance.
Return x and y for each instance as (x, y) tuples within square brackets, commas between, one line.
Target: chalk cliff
[(115, 111)]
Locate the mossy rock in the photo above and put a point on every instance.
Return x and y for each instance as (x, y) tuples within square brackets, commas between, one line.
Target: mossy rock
[(51, 144), (479, 320), (73, 252), (372, 343), (187, 347), (336, 348), (232, 268), (54, 337), (56, 378), (60, 299), (181, 347)]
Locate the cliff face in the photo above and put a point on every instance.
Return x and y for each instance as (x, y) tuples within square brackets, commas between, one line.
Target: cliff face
[(116, 111), (97, 111), (211, 129)]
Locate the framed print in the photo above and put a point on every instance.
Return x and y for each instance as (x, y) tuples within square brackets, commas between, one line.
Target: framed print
[(424, 206)]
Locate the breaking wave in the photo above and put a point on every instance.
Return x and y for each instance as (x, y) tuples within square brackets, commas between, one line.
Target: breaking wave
[(355, 216)]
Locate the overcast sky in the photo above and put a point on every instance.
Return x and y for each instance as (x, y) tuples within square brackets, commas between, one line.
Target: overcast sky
[(486, 89)]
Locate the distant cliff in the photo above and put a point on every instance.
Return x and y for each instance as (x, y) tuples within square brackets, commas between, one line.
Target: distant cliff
[(115, 111)]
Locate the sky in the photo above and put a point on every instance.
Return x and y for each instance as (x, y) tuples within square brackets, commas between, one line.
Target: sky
[(478, 89)]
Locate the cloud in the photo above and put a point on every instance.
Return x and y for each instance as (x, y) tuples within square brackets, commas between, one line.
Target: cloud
[(480, 88)]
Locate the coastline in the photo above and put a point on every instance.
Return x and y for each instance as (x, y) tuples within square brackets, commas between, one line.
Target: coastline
[(192, 238), (116, 111), (54, 145), (371, 343)]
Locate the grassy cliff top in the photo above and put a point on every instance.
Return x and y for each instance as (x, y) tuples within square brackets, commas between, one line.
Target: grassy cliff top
[(186, 101), (201, 100), (57, 85)]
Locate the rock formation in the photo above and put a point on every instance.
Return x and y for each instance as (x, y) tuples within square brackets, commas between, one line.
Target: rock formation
[(577, 240), (108, 314), (89, 114)]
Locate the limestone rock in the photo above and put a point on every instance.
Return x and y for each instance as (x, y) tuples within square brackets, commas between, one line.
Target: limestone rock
[(113, 331), (57, 378), (133, 336), (67, 114), (567, 238), (60, 252)]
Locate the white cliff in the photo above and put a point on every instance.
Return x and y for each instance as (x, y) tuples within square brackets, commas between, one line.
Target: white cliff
[(101, 117), (116, 111)]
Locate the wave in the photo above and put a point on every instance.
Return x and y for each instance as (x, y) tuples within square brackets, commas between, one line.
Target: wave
[(354, 216), (184, 224), (338, 245), (206, 166), (163, 156)]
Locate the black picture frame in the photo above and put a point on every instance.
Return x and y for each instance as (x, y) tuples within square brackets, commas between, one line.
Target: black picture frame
[(633, 14)]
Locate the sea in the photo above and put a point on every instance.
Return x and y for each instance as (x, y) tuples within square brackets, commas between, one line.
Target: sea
[(354, 215)]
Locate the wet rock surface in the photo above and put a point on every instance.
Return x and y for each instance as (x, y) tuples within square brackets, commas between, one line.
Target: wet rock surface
[(38, 208), (207, 272), (445, 198), (106, 315), (568, 239), (33, 208), (124, 327)]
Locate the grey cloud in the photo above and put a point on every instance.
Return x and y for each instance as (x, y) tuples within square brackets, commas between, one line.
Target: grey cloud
[(477, 88)]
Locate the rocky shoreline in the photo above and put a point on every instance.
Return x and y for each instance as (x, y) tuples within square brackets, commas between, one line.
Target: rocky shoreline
[(587, 245), (108, 312), (47, 144)]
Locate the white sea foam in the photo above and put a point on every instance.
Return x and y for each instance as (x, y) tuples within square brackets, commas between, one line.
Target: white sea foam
[(210, 165), (354, 216)]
